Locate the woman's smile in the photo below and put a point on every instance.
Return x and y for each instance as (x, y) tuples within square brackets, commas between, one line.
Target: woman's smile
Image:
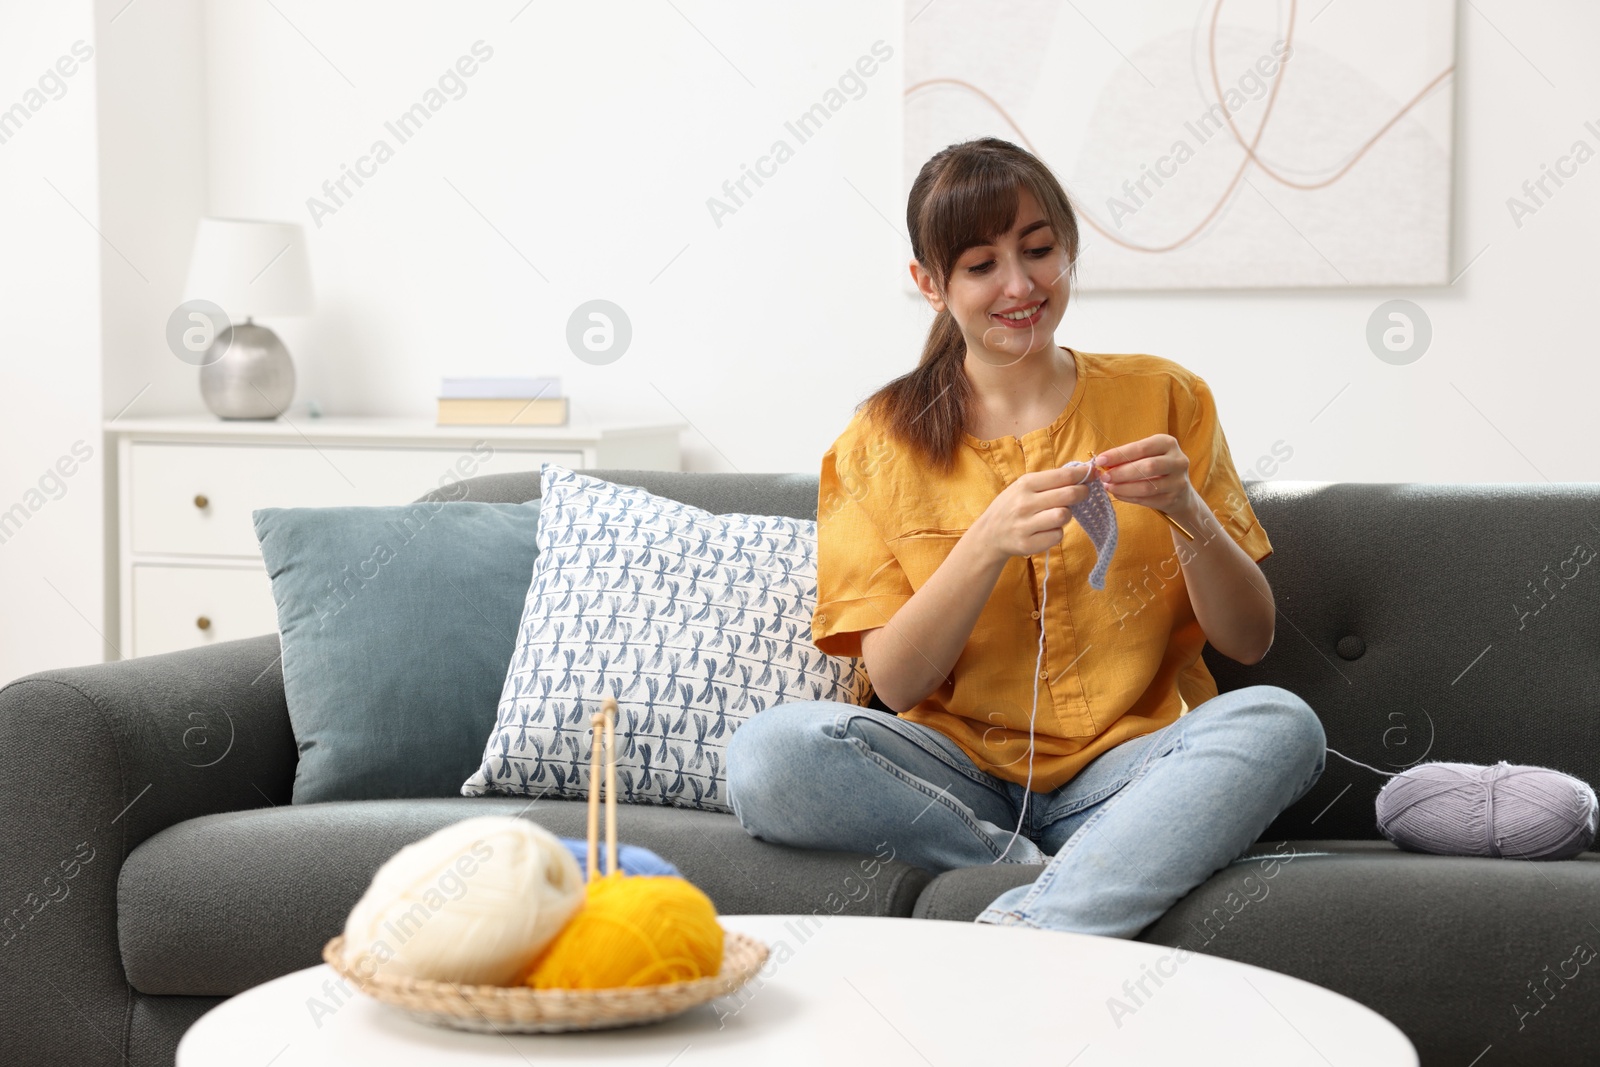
[(1022, 323)]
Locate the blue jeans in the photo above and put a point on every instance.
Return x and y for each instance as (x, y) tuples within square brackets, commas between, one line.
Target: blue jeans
[(1136, 829)]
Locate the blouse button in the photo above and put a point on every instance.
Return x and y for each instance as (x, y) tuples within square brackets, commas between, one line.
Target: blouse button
[(822, 618), (1036, 614), (983, 444), (1044, 675)]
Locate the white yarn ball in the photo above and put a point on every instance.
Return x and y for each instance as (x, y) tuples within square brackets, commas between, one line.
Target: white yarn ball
[(474, 903)]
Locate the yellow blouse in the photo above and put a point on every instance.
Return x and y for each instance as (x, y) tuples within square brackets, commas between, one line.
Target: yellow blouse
[(1118, 663)]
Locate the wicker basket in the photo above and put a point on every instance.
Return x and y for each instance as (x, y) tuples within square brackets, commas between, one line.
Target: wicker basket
[(523, 1009)]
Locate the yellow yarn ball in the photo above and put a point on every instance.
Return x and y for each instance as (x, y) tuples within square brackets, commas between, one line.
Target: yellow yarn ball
[(633, 930)]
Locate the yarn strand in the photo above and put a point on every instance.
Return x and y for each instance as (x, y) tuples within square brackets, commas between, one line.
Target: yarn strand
[(1027, 790), (1358, 763)]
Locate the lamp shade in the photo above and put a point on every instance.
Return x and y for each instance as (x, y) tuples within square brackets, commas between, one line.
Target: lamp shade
[(249, 267)]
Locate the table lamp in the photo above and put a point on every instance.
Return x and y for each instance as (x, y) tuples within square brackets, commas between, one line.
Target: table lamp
[(249, 267)]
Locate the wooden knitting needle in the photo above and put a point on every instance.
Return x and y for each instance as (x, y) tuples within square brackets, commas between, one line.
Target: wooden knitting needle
[(605, 729), (608, 708), (597, 721)]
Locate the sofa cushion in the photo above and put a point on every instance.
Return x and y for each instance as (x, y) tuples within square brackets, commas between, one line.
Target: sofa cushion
[(215, 905), (1459, 952), (397, 625), (694, 622)]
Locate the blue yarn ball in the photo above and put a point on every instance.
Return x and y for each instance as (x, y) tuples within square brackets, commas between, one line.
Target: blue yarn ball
[(631, 859)]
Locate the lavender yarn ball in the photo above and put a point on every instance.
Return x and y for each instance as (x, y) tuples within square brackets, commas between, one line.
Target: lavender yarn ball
[(1507, 810)]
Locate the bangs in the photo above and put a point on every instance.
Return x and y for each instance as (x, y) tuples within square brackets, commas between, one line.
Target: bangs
[(974, 207)]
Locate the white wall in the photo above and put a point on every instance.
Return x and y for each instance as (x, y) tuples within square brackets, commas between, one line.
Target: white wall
[(52, 464), (592, 140), (578, 165), (152, 96), (152, 191)]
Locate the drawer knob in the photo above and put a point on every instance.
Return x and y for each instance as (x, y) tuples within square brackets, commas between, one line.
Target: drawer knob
[(203, 623), (201, 500)]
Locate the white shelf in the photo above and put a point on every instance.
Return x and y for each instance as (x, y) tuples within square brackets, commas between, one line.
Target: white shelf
[(385, 429)]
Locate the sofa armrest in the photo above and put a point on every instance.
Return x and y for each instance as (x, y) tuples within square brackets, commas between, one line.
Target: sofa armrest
[(93, 761)]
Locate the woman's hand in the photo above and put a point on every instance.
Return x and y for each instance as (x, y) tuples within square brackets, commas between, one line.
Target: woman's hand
[(1152, 472), (1218, 574), (1031, 514)]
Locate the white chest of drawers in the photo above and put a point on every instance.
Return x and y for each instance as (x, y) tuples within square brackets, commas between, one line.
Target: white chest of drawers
[(188, 567)]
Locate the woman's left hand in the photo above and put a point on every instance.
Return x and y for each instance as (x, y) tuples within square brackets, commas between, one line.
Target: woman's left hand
[(1152, 472)]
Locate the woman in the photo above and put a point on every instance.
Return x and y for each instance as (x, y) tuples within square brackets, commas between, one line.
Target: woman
[(1037, 719)]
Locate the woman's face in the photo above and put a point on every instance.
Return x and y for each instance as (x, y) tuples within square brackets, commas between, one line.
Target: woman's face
[(1025, 268)]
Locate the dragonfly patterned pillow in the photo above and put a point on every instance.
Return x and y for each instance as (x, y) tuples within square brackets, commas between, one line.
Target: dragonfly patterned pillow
[(693, 621)]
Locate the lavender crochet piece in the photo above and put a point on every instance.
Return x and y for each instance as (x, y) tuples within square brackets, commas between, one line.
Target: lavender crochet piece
[(1099, 521)]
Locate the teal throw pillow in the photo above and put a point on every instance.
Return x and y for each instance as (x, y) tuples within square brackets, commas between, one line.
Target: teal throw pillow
[(397, 625)]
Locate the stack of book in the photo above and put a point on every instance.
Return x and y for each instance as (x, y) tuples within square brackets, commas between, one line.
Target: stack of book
[(501, 402)]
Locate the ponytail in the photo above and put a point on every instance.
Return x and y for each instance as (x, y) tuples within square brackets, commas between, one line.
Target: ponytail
[(926, 409)]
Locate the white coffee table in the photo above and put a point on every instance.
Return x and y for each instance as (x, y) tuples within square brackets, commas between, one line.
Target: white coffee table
[(853, 989)]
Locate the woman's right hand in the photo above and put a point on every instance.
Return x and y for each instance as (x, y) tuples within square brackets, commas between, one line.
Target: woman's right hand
[(1031, 514)]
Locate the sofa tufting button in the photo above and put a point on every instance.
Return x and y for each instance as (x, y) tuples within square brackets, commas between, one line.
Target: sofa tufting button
[(1351, 647)]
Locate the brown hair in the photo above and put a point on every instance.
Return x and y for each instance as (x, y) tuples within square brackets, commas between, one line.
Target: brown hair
[(966, 195)]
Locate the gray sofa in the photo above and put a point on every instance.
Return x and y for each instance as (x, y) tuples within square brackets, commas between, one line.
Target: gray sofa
[(141, 888)]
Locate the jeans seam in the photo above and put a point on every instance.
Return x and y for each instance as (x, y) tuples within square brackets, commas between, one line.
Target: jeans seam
[(1083, 802), (973, 775), (918, 785)]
